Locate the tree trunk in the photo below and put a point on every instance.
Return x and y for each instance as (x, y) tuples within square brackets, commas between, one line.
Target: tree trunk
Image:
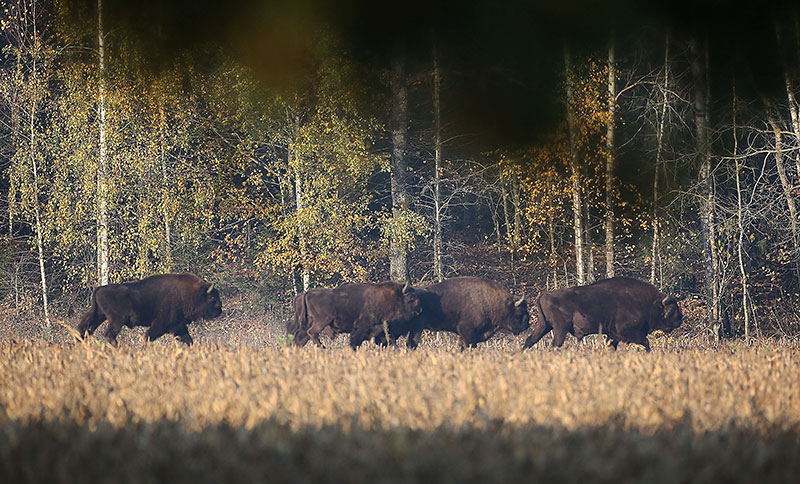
[(515, 201), (299, 194), (102, 164), (787, 187), (16, 139), (706, 186), (398, 269), (552, 236), (165, 181), (610, 162), (574, 169), (740, 222), (588, 245), (35, 170), (655, 259), (509, 229), (789, 85), (438, 256)]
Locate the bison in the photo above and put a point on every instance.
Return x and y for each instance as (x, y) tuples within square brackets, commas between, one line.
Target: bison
[(359, 309), (166, 303), (471, 307), (627, 309)]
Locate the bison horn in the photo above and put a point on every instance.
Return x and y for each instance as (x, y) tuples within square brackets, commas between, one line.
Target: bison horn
[(406, 288), (210, 288), (667, 300), (521, 300)]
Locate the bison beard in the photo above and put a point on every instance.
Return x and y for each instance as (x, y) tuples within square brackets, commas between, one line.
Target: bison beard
[(627, 309), (358, 309), (471, 307), (166, 303)]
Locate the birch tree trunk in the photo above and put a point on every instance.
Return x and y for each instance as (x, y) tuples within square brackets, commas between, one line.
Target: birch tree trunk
[(299, 194), (398, 270), (610, 162), (787, 187), (588, 245), (789, 85), (655, 258), (740, 223), (698, 67), (35, 169), (166, 184), (574, 169), (102, 163), (438, 256)]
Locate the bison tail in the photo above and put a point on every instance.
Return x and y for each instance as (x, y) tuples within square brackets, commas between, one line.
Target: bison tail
[(298, 325), (541, 328), (91, 319)]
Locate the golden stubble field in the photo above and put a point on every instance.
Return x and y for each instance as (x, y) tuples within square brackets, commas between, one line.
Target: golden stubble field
[(687, 412)]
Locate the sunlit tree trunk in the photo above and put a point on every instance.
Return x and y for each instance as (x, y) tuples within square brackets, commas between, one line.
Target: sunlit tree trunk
[(398, 270), (551, 235), (574, 169), (165, 180), (610, 162), (35, 168), (588, 244), (102, 163), (655, 258), (300, 205), (438, 251)]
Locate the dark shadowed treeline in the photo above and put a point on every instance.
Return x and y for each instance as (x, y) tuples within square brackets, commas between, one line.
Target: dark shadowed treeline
[(277, 148)]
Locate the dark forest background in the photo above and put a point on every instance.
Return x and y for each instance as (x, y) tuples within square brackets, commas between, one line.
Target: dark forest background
[(276, 146)]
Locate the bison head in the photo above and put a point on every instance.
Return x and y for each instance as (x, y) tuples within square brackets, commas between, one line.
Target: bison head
[(518, 319), (668, 314), (210, 305), (411, 302)]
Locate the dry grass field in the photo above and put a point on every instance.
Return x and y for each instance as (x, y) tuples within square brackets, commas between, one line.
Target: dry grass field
[(226, 411)]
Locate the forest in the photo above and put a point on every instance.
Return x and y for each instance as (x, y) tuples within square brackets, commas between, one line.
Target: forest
[(277, 147), (273, 148)]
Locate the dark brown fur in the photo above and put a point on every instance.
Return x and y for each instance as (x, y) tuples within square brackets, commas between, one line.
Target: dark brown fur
[(358, 309), (471, 307), (628, 309), (166, 303)]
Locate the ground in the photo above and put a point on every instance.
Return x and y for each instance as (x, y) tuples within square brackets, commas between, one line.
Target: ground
[(242, 405)]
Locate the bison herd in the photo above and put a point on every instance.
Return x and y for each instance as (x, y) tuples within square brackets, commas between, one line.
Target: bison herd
[(624, 309)]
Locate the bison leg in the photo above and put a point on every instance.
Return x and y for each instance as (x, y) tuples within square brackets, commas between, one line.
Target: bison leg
[(644, 342), (317, 328), (114, 327), (154, 332), (88, 326), (541, 329), (413, 339), (361, 332), (559, 335), (182, 333), (613, 344), (300, 338)]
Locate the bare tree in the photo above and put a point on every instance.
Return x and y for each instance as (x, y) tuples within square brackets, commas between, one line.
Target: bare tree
[(437, 167), (610, 161), (699, 67), (575, 171), (102, 162), (655, 257)]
